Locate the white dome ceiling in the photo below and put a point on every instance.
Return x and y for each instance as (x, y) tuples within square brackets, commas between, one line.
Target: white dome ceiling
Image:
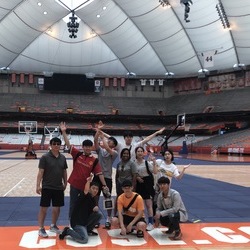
[(137, 36)]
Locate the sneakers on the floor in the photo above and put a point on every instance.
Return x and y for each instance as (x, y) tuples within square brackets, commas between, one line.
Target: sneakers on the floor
[(150, 227), (140, 234), (55, 229), (63, 233), (92, 233), (169, 231), (42, 233), (107, 225), (177, 235), (97, 225)]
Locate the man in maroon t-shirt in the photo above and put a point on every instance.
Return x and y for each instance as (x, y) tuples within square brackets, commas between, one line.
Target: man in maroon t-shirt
[(84, 164)]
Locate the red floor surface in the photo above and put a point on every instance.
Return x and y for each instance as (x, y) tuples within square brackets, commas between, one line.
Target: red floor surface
[(198, 236)]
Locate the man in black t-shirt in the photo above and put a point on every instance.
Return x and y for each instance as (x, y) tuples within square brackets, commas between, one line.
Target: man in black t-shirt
[(85, 214), (51, 184)]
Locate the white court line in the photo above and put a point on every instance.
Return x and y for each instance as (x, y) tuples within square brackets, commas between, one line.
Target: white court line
[(13, 187)]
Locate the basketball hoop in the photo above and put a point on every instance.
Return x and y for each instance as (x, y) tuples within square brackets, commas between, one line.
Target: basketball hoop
[(190, 137), (27, 131), (27, 127)]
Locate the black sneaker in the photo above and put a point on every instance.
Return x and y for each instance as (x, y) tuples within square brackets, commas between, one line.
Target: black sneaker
[(140, 234), (97, 225), (107, 225), (63, 233), (92, 233), (169, 231), (177, 235)]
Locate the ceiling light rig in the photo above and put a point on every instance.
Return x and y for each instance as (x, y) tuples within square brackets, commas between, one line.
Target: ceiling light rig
[(131, 74), (164, 3), (5, 68), (169, 75), (202, 73), (239, 66), (186, 3), (73, 25), (222, 15)]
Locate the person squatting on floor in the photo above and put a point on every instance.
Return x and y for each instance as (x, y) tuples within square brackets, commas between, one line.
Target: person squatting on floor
[(85, 214), (130, 208), (166, 167), (170, 209), (51, 183)]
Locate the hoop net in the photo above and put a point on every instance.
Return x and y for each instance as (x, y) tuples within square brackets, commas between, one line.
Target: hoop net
[(28, 128), (187, 127)]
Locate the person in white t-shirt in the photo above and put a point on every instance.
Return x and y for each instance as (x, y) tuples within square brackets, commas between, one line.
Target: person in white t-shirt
[(129, 144), (167, 168)]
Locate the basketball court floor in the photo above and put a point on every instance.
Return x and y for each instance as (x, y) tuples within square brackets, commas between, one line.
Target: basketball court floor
[(215, 189)]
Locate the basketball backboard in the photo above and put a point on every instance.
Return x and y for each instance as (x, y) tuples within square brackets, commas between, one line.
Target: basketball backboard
[(181, 120), (52, 131), (27, 127)]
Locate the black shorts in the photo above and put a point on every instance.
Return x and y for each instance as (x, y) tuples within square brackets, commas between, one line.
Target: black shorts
[(146, 189), (127, 219), (56, 196)]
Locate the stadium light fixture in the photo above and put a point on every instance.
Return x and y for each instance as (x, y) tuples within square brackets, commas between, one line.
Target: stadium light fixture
[(73, 25), (222, 15), (186, 3), (164, 3), (169, 74), (239, 66)]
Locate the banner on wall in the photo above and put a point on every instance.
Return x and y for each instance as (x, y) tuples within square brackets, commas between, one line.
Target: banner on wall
[(97, 86), (40, 82), (208, 59)]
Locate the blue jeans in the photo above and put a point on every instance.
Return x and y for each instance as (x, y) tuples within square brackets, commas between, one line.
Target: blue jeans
[(79, 233), (73, 196), (93, 219)]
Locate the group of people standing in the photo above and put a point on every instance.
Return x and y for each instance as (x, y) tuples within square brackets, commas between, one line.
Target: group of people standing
[(140, 184)]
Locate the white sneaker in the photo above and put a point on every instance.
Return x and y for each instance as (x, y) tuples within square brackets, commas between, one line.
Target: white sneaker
[(55, 229), (149, 227)]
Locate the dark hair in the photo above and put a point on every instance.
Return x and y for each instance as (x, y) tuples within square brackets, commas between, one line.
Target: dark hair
[(163, 179), (94, 183), (170, 151), (123, 150), (55, 139), (127, 183), (127, 134), (111, 138), (87, 143), (139, 147)]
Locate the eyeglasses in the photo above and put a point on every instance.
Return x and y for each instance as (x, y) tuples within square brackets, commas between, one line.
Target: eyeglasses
[(56, 144)]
